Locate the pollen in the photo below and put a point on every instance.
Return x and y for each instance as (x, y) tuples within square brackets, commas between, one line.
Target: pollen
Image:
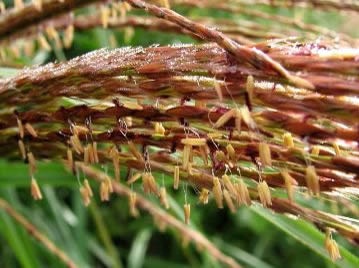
[(134, 151), (35, 190), (288, 181), (229, 201), (68, 36), (312, 180), (315, 150), (31, 130), (76, 144), (224, 118), (134, 178), (21, 128), (194, 142), (22, 149), (159, 129), (43, 43), (288, 140), (37, 4), (176, 177), (243, 196), (264, 194), (105, 15), (217, 192), (331, 246), (32, 163), (163, 198), (86, 199), (203, 197), (187, 213), (265, 154), (250, 87), (132, 204), (336, 149)]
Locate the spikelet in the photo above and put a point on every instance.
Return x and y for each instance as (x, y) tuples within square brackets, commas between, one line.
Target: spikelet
[(243, 196), (86, 199), (32, 163), (264, 194), (2, 7), (288, 140), (187, 213), (218, 90), (203, 197), (18, 4), (134, 178), (159, 129), (35, 190), (70, 160), (238, 120), (186, 156), (105, 15), (250, 87), (288, 181), (229, 202), (22, 149), (337, 149), (265, 154), (194, 142), (43, 43), (132, 204), (68, 36), (312, 180), (247, 118), (163, 198), (231, 152), (176, 177), (331, 246), (134, 151), (21, 128), (37, 4), (217, 192), (224, 118), (315, 150), (88, 187), (76, 144)]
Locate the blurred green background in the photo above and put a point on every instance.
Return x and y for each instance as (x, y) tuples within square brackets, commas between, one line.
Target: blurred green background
[(105, 235)]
